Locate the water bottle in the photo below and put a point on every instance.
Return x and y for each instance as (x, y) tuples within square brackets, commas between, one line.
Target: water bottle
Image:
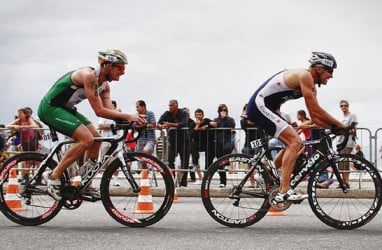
[(87, 167)]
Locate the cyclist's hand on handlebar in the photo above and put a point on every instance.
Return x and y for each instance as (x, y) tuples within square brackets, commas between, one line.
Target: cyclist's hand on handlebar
[(139, 119)]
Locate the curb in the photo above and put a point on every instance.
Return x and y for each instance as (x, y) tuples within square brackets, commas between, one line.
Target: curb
[(223, 192)]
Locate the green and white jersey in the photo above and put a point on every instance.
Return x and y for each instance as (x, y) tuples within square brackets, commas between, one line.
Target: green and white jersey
[(65, 93)]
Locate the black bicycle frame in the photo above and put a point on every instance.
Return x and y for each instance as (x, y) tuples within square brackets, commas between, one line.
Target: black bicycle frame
[(308, 167), (111, 153)]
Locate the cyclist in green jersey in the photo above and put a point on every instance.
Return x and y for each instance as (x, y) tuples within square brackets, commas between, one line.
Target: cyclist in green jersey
[(57, 109)]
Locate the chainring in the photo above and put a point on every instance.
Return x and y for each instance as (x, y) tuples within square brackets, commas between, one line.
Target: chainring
[(72, 197), (279, 206)]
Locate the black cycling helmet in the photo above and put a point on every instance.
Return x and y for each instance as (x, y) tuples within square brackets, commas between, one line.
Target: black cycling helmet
[(324, 59)]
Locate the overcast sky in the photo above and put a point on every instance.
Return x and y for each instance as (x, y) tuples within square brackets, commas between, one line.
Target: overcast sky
[(200, 52)]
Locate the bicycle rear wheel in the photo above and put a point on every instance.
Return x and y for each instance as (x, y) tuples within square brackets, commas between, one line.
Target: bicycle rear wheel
[(228, 205), (149, 205), (348, 209), (26, 205)]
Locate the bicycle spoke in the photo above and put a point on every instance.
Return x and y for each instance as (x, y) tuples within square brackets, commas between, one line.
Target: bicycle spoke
[(141, 208), (349, 208), (229, 205), (26, 204)]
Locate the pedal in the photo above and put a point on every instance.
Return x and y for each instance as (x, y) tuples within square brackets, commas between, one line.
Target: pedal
[(280, 206)]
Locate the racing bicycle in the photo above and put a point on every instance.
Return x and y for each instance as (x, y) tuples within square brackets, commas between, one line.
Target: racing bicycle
[(240, 205), (34, 206)]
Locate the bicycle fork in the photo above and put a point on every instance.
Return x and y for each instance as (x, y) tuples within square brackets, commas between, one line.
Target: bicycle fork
[(338, 175), (126, 170)]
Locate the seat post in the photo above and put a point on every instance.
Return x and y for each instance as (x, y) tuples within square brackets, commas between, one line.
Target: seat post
[(53, 134)]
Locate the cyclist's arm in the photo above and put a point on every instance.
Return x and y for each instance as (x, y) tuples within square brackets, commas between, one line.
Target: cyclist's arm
[(89, 81), (106, 99), (319, 116)]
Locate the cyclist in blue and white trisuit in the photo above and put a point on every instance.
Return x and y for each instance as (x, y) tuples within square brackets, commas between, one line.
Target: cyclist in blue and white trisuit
[(264, 109)]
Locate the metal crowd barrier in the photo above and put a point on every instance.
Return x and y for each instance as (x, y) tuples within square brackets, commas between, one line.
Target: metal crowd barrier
[(14, 142), (34, 139)]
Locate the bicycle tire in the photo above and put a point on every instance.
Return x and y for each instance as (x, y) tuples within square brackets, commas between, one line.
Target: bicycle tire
[(22, 205), (348, 210), (143, 209), (230, 212)]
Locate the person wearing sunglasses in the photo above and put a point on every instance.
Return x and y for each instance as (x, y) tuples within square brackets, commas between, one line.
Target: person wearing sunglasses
[(287, 85), (347, 119), (223, 145)]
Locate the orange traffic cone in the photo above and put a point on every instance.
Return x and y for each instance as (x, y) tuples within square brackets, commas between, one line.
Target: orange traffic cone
[(175, 199), (274, 212), (145, 200), (12, 195)]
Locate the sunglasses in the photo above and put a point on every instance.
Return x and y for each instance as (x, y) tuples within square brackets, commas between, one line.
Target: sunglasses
[(223, 110), (343, 105), (329, 70), (118, 66)]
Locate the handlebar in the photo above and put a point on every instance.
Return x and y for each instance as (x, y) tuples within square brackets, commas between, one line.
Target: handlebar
[(127, 126), (344, 131)]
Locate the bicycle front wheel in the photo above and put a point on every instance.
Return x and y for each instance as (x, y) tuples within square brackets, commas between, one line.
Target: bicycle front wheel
[(145, 207), (27, 205), (353, 207), (228, 204)]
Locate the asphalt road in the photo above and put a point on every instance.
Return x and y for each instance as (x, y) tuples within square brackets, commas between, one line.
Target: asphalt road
[(186, 226)]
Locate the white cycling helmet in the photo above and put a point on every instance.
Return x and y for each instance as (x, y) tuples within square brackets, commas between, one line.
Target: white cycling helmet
[(324, 59), (112, 56)]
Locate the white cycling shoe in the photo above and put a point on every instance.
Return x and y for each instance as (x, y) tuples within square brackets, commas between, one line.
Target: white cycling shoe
[(291, 195)]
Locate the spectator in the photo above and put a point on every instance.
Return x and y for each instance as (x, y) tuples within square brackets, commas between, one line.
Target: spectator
[(131, 145), (223, 143), (24, 125), (175, 120), (199, 141), (305, 128), (40, 131), (146, 141), (347, 119), (304, 125)]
